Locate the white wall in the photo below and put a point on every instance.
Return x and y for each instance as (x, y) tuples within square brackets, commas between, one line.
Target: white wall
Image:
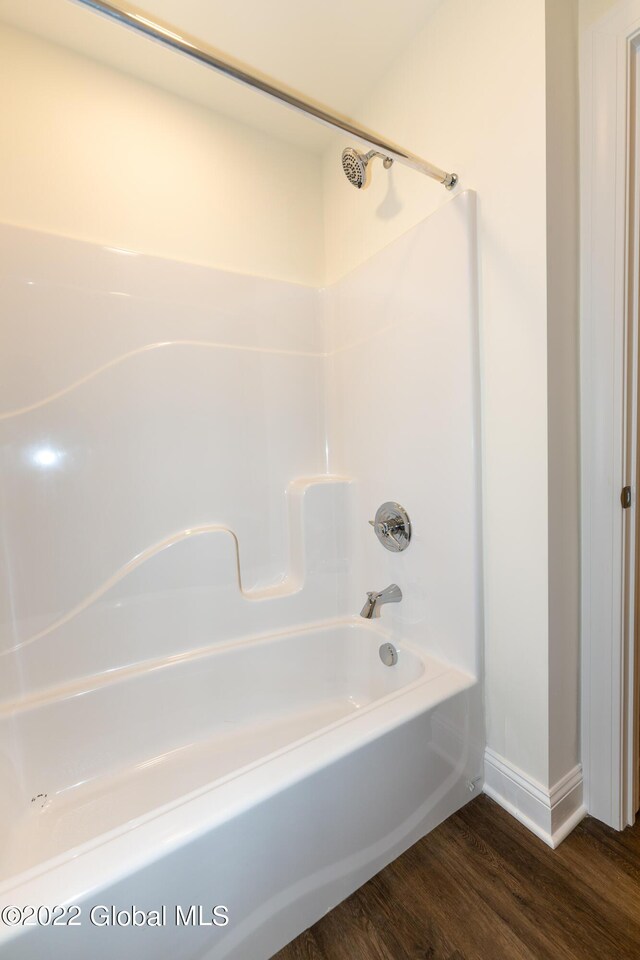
[(563, 384), (470, 94), (91, 153), (592, 10)]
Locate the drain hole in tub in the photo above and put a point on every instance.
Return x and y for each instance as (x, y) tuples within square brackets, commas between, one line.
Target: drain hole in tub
[(388, 654)]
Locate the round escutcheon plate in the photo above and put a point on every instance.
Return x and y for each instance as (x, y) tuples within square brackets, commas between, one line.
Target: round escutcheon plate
[(392, 526)]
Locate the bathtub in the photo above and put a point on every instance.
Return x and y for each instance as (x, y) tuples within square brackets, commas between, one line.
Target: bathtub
[(217, 803)]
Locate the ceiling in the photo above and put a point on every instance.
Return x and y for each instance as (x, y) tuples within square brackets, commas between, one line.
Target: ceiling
[(333, 51)]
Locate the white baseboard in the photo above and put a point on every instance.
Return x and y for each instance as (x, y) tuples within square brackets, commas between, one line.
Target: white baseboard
[(550, 814)]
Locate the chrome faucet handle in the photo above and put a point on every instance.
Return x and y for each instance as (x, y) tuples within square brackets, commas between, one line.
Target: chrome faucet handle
[(386, 529), (392, 526)]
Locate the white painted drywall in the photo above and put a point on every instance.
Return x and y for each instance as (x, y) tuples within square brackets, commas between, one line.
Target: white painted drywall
[(592, 10), (279, 39), (563, 385), (90, 153)]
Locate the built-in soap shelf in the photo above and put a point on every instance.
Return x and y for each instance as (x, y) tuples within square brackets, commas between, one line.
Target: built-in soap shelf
[(312, 531)]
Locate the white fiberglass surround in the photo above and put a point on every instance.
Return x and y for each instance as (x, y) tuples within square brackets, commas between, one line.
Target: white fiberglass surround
[(190, 706)]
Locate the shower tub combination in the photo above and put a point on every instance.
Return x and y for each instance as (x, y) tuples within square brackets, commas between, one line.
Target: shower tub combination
[(192, 714), (267, 778)]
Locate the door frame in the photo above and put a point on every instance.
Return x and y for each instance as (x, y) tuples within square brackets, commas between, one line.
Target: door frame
[(609, 78)]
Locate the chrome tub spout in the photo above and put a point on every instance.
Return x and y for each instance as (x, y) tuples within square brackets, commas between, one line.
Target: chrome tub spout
[(375, 600)]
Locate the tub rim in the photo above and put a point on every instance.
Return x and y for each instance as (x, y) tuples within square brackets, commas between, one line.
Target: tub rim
[(109, 856)]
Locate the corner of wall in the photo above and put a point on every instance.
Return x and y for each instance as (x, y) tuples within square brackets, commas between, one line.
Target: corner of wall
[(549, 812), (563, 382)]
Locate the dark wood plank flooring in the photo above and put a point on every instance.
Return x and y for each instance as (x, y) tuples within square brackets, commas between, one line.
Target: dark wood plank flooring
[(481, 887)]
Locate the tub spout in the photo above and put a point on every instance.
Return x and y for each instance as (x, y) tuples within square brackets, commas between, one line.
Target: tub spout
[(371, 609)]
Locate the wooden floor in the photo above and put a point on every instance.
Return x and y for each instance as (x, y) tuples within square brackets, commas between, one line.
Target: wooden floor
[(481, 887)]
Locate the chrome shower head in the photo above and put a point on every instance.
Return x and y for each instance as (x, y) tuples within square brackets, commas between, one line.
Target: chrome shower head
[(355, 165)]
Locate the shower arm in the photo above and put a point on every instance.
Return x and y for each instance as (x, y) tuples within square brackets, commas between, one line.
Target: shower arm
[(241, 73)]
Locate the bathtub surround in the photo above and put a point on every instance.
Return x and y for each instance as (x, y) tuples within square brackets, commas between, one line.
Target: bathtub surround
[(241, 404), (184, 593), (190, 461), (390, 407), (122, 397)]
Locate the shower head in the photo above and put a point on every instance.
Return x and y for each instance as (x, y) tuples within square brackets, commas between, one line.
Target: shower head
[(355, 165)]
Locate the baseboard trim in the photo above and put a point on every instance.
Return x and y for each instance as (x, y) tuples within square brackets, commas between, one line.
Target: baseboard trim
[(550, 814)]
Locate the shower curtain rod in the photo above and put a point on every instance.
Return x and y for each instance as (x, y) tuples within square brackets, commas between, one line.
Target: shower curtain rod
[(246, 76)]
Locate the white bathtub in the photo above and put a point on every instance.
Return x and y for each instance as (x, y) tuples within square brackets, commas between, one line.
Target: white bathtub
[(239, 777)]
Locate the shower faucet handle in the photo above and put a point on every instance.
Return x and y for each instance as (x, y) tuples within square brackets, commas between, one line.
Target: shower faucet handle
[(387, 529), (392, 526)]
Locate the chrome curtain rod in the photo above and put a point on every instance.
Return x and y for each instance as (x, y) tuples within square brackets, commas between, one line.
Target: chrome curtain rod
[(170, 38)]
